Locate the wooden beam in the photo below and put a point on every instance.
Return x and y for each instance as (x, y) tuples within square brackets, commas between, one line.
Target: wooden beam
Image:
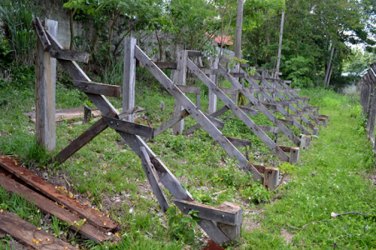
[(129, 127), (81, 141), (213, 76), (237, 111), (170, 123), (95, 217), (166, 65), (196, 113), (29, 234), (42, 37), (153, 179), (70, 55), (181, 80), (98, 88), (48, 206), (230, 216), (239, 142), (129, 77), (45, 89)]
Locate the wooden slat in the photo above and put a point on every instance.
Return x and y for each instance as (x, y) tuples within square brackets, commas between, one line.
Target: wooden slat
[(70, 55), (67, 114), (98, 88), (43, 39), (30, 235), (95, 217), (81, 141), (170, 123), (237, 111), (189, 89), (239, 142), (229, 215), (129, 127), (166, 65), (48, 206), (197, 114), (152, 178)]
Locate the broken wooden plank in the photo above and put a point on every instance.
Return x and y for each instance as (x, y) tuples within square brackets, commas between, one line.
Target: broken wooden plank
[(170, 123), (95, 217), (75, 222), (129, 127), (98, 88), (30, 235), (81, 141), (227, 215), (166, 65), (153, 180), (239, 142), (67, 114), (70, 55)]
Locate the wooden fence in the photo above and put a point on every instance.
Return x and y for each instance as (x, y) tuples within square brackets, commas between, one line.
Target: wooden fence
[(367, 87)]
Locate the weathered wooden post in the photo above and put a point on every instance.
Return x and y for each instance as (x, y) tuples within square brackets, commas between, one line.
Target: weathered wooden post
[(45, 88), (129, 79), (213, 76), (181, 80)]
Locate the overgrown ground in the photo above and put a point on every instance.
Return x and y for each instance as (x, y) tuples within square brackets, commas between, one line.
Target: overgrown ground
[(333, 176)]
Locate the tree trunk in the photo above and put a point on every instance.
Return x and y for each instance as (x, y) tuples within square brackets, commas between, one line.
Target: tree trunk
[(280, 45), (239, 26)]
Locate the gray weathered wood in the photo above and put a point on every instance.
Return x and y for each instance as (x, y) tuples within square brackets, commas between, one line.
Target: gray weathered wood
[(196, 113), (212, 97), (271, 179), (168, 124), (230, 216), (129, 127), (129, 78), (70, 55), (239, 142), (42, 38), (152, 178), (237, 111), (45, 88), (181, 81), (98, 88), (81, 141), (135, 142)]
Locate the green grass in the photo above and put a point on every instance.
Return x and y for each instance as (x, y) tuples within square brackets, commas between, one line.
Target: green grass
[(332, 176)]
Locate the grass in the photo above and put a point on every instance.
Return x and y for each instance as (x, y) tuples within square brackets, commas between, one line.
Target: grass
[(332, 176)]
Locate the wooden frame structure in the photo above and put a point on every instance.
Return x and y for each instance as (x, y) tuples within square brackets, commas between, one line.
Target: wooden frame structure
[(367, 87), (222, 224)]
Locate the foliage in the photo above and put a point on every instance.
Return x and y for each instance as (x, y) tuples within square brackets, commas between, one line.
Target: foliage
[(299, 70), (181, 227), (16, 17)]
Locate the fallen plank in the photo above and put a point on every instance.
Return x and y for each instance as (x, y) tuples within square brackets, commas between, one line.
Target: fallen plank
[(129, 127), (231, 215), (48, 206), (66, 114), (93, 216), (30, 235)]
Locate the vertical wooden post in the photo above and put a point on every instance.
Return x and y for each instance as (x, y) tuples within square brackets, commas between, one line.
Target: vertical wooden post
[(271, 178), (213, 97), (45, 88), (294, 155), (129, 78), (181, 80), (280, 45)]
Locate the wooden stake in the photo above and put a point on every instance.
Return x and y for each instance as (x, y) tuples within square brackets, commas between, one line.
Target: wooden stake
[(181, 80), (45, 88), (129, 78)]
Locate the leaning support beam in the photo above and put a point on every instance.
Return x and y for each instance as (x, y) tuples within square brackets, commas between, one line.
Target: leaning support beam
[(197, 126), (197, 114), (45, 90), (81, 141), (98, 88), (238, 112), (170, 123), (153, 180), (129, 127)]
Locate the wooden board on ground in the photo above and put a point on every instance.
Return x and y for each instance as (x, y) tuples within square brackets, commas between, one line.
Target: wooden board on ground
[(29, 235), (95, 217), (67, 114), (48, 206)]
